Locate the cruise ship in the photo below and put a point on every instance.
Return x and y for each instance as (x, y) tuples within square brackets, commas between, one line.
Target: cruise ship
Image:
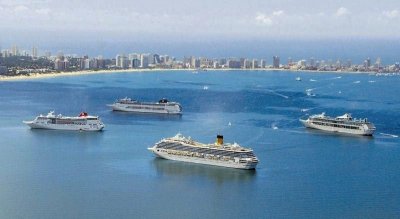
[(341, 124), (163, 106), (180, 148), (83, 122)]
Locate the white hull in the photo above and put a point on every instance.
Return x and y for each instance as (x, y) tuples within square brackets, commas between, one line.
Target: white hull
[(197, 160), (308, 124), (67, 127), (125, 108)]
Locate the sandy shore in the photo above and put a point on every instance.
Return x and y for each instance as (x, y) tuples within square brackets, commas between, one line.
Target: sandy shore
[(76, 73)]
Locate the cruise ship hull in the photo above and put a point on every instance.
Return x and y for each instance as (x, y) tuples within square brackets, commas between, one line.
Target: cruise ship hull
[(197, 160), (125, 108), (67, 127), (363, 132)]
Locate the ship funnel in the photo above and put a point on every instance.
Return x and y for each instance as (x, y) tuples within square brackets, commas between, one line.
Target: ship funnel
[(220, 140)]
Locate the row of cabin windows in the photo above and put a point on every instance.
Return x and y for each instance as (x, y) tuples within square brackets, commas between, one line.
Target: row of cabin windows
[(145, 107), (179, 147), (336, 125), (335, 121)]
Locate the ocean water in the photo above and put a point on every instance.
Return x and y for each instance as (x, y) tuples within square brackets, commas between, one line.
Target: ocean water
[(110, 174)]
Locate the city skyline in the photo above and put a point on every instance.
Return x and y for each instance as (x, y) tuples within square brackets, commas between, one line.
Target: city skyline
[(16, 61)]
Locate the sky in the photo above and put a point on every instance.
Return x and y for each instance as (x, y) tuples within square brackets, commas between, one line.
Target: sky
[(185, 21)]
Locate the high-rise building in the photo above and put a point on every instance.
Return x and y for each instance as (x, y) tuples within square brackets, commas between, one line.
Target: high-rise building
[(121, 61), (60, 64), (135, 63), (197, 63), (14, 50), (86, 64), (223, 61), (378, 62), (312, 62), (144, 60), (101, 63), (156, 59), (275, 61), (24, 53), (234, 63), (254, 63), (192, 62), (117, 60), (6, 53), (133, 56), (34, 52), (243, 62), (368, 62), (262, 63)]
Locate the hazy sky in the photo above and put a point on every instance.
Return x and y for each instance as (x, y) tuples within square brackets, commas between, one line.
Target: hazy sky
[(205, 19)]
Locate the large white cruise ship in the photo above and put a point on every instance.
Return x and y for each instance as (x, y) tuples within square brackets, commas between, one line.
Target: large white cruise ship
[(162, 106), (83, 122), (185, 149), (341, 124)]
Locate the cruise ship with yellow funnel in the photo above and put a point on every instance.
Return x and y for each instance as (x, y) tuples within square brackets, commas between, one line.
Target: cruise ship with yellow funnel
[(222, 154)]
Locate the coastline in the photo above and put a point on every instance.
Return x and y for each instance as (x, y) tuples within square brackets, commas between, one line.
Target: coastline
[(89, 72)]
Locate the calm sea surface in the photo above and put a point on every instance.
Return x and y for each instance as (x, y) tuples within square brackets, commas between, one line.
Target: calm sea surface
[(111, 174)]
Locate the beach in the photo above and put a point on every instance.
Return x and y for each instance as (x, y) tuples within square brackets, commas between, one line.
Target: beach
[(88, 72)]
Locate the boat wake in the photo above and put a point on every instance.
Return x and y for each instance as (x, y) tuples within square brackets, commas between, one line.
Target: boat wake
[(307, 109), (310, 93), (389, 135), (278, 94), (356, 82)]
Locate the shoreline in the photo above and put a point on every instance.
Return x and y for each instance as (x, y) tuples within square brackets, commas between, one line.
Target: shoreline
[(90, 72)]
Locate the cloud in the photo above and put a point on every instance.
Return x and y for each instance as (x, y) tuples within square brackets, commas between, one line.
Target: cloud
[(264, 19), (277, 13), (391, 14), (342, 11), (43, 11), (268, 19), (20, 8)]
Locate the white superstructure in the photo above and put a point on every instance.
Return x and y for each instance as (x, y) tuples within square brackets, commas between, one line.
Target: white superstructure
[(83, 122), (342, 124), (185, 149), (162, 106)]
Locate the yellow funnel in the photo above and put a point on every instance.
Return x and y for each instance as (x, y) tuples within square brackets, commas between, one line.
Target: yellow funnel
[(220, 140)]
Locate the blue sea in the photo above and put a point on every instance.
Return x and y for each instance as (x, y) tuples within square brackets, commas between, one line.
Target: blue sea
[(110, 174)]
